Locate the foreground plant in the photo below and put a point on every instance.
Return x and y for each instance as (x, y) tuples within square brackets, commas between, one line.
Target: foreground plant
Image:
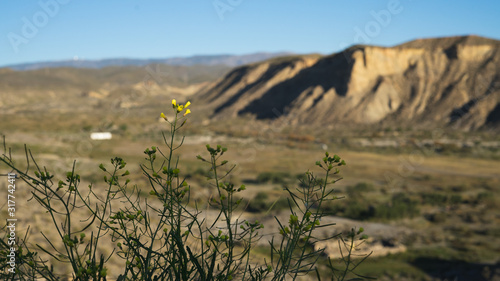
[(164, 236)]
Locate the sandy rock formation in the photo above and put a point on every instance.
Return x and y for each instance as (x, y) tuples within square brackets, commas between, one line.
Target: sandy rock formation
[(431, 82)]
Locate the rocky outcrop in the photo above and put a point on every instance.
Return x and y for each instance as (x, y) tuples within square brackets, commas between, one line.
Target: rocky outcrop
[(429, 82)]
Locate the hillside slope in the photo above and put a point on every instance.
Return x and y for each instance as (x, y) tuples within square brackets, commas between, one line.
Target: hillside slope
[(438, 82)]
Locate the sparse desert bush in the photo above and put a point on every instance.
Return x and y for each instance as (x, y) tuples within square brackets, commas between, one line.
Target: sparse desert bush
[(303, 180), (455, 199), (434, 198), (262, 203), (356, 206), (258, 203), (401, 206), (199, 174), (458, 188), (486, 198), (359, 211), (165, 236), (360, 187), (273, 177), (437, 217)]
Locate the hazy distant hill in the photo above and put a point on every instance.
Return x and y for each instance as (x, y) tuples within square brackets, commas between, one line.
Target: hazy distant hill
[(66, 89), (122, 76), (427, 83), (227, 60)]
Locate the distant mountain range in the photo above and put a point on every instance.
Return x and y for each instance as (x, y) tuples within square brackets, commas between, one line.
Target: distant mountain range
[(426, 83), (226, 60)]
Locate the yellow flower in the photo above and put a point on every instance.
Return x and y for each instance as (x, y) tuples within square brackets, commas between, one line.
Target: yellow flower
[(163, 116), (179, 107)]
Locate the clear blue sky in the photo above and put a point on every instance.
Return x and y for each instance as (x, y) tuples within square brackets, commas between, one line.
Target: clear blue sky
[(32, 31)]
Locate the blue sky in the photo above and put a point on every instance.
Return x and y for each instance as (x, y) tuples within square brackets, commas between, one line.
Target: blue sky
[(45, 30)]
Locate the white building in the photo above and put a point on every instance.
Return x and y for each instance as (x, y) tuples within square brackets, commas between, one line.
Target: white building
[(101, 136)]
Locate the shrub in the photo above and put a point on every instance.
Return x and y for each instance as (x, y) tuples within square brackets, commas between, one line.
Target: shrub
[(303, 181), (434, 199), (401, 206), (261, 203), (357, 207), (273, 177), (360, 187), (258, 203), (456, 199), (438, 199), (437, 217), (163, 237), (358, 210)]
